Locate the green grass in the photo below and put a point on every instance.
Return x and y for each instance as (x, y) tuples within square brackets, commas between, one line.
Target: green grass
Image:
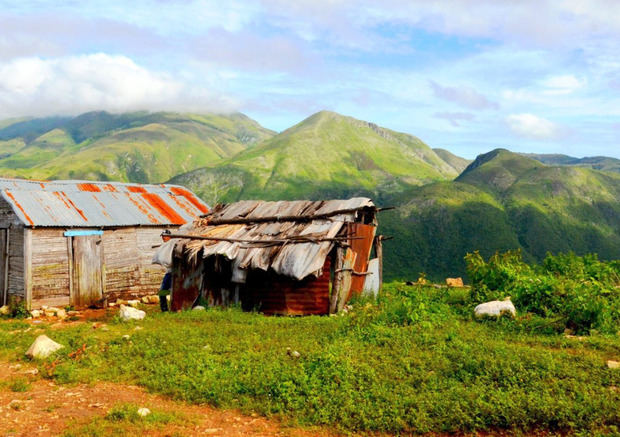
[(123, 419), (415, 361)]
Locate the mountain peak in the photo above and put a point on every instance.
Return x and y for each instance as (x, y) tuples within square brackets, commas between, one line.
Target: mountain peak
[(498, 169)]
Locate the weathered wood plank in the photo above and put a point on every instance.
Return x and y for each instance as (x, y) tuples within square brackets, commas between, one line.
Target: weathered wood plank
[(87, 277)]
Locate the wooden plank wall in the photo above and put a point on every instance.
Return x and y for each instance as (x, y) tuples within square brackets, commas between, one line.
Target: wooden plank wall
[(127, 254), (16, 262), (127, 258), (50, 267)]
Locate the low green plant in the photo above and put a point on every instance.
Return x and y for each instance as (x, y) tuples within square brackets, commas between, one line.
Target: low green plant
[(581, 291), (19, 385)]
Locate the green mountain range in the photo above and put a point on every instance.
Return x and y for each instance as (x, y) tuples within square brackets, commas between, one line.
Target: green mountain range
[(326, 155), (604, 163), (502, 201), (447, 205), (138, 147)]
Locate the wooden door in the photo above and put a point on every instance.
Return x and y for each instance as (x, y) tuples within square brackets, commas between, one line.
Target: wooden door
[(87, 270)]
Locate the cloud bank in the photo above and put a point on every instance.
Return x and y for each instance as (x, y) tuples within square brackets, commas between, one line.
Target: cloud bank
[(75, 84)]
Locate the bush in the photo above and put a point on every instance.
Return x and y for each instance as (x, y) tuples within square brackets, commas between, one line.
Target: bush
[(581, 291)]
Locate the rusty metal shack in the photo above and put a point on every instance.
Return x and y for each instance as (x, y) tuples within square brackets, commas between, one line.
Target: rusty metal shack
[(285, 257), (80, 243)]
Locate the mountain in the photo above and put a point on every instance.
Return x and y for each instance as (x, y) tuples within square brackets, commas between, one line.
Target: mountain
[(326, 155), (502, 201), (137, 147), (456, 162), (604, 163)]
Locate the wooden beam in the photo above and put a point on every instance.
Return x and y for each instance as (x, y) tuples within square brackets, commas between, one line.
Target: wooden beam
[(292, 240), (28, 267), (283, 218)]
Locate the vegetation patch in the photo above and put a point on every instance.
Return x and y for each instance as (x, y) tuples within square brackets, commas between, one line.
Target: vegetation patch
[(413, 361)]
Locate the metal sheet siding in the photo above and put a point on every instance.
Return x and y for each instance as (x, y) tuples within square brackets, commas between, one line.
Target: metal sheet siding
[(99, 204), (362, 248), (275, 294)]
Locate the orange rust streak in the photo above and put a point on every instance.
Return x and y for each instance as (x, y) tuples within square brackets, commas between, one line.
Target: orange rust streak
[(8, 193), (79, 211), (136, 189), (183, 206), (102, 206), (57, 194), (142, 209), (89, 187), (189, 196), (158, 203), (109, 187)]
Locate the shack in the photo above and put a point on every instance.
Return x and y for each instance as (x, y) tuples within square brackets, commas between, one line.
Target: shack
[(286, 257), (82, 243)]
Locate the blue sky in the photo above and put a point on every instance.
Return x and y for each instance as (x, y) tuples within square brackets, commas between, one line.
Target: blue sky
[(469, 76)]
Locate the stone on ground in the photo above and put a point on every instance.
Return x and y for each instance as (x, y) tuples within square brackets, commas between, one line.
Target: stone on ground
[(5, 310), (613, 364), (133, 303), (198, 308), (454, 282), (128, 313), (61, 314), (43, 347), (143, 412), (495, 308), (144, 299), (154, 299)]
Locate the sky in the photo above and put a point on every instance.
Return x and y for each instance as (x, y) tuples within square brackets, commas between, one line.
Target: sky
[(469, 76)]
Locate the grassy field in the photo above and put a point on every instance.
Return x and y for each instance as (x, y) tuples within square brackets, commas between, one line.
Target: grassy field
[(415, 361)]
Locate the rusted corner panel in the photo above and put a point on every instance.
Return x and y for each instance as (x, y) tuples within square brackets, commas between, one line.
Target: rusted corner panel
[(362, 248)]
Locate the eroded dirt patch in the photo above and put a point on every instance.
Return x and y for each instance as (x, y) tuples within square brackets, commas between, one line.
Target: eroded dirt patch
[(49, 409)]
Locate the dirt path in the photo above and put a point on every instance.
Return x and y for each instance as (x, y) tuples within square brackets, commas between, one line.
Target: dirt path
[(48, 409)]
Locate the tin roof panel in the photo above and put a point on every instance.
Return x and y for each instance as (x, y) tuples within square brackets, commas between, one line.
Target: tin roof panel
[(100, 204)]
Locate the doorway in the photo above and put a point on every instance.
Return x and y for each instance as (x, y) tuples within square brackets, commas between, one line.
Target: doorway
[(87, 270)]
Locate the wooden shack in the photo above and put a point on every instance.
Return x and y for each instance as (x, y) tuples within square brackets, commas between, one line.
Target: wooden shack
[(287, 257), (80, 243)]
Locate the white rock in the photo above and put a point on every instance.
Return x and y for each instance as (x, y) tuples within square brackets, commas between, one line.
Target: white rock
[(145, 299), (198, 308), (613, 364), (126, 337), (133, 303), (128, 313), (35, 313), (43, 347), (61, 314), (143, 412), (5, 310), (495, 308)]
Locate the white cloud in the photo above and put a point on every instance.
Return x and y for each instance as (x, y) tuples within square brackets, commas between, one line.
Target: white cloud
[(532, 126), (463, 96), (563, 84), (74, 84)]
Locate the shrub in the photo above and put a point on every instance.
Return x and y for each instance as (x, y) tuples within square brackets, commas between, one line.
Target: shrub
[(581, 291)]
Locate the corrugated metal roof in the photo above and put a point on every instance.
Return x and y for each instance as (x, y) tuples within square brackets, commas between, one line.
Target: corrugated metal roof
[(100, 204), (297, 260)]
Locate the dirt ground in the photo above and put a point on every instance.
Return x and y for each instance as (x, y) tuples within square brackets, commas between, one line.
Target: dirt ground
[(48, 409)]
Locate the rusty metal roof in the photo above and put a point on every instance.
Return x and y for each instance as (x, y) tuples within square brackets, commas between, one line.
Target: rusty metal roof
[(293, 260), (99, 204)]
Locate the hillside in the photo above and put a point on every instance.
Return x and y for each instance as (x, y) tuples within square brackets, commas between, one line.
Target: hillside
[(456, 162), (326, 155), (604, 163), (138, 147), (505, 201)]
